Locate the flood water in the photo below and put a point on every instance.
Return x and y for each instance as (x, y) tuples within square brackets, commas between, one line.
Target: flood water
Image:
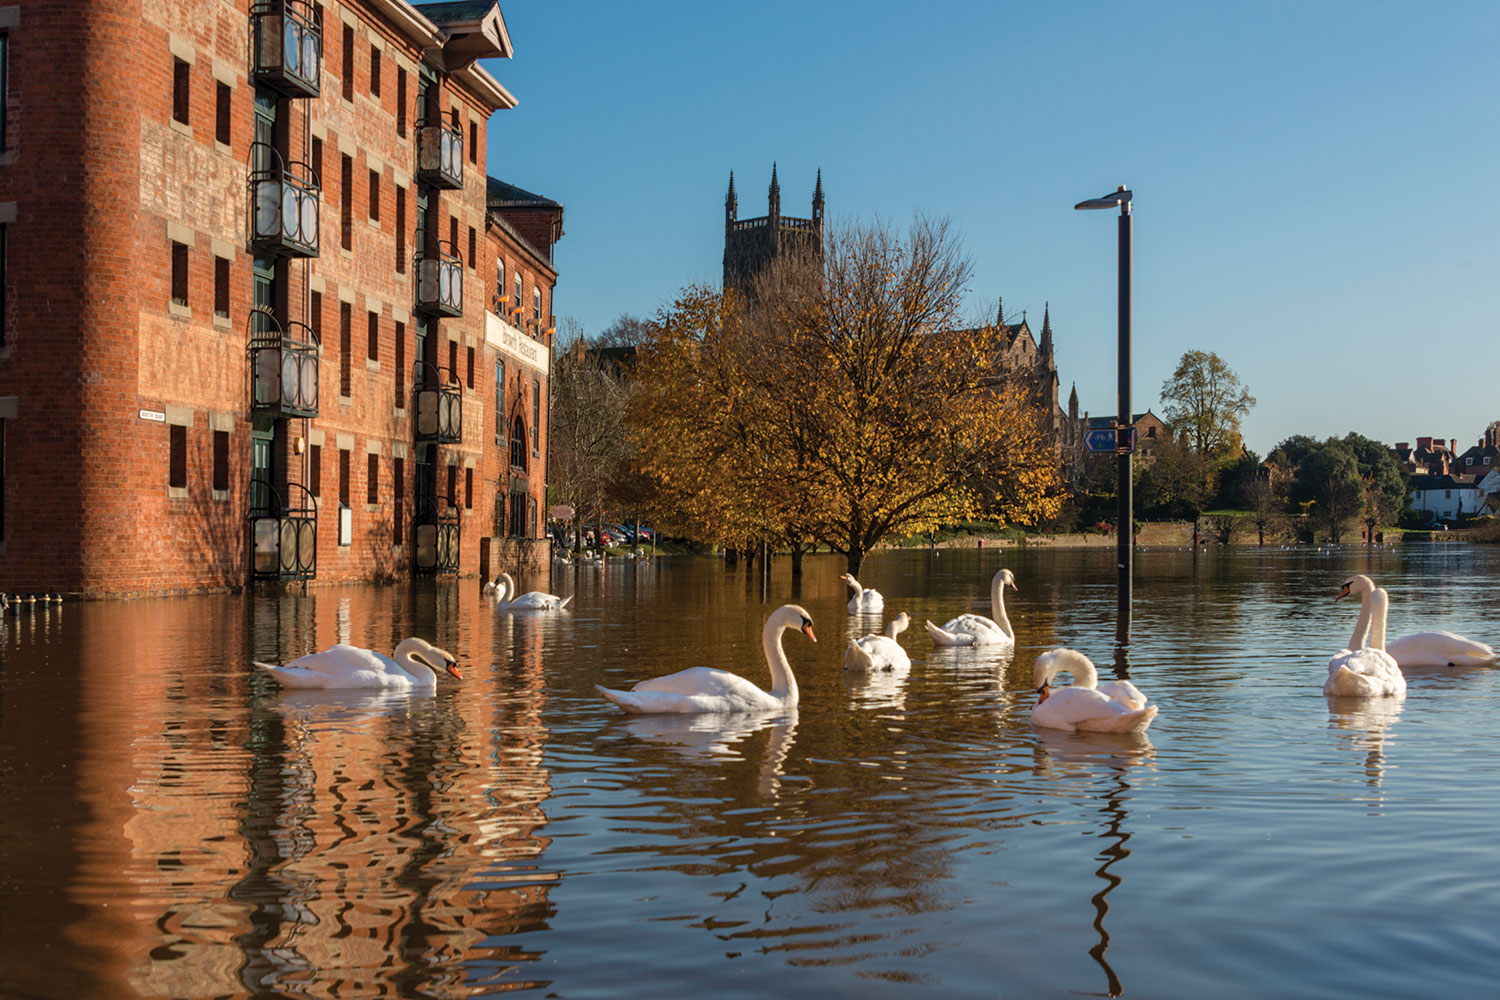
[(175, 826)]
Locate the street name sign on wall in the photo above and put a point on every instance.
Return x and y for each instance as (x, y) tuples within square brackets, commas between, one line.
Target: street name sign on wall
[(1103, 439)]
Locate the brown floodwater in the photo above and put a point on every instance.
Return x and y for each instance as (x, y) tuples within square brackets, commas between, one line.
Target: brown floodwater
[(174, 825)]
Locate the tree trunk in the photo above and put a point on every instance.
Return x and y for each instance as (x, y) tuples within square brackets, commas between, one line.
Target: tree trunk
[(796, 560)]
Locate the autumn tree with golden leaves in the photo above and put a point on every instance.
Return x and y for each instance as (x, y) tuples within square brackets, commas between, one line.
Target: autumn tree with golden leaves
[(840, 401)]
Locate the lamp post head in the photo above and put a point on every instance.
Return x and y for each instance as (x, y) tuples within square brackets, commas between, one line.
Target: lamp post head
[(1121, 197)]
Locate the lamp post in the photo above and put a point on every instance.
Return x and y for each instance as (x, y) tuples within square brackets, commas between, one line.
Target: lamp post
[(1125, 513)]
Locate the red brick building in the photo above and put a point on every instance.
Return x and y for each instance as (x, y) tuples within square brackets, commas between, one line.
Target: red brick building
[(236, 238)]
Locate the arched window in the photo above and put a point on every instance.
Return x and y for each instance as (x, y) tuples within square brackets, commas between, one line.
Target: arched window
[(518, 443)]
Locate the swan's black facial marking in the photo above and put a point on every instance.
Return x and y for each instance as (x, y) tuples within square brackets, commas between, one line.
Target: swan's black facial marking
[(453, 669), (807, 629), (1042, 693), (1344, 590)]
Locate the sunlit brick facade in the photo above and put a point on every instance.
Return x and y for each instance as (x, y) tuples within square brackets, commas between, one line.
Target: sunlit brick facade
[(248, 258)]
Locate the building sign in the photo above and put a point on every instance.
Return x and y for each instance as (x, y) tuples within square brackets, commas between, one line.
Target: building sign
[(508, 340), (156, 415)]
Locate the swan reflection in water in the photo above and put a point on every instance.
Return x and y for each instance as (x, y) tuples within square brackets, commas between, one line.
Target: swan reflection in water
[(1364, 723), (707, 738), (877, 688), (1113, 756)]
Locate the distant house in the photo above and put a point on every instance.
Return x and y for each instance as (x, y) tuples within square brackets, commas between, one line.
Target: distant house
[(1488, 489), (1149, 430), (1431, 456), (1482, 457), (1445, 497)]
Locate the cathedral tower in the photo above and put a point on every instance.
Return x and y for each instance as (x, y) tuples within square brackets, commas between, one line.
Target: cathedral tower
[(750, 244)]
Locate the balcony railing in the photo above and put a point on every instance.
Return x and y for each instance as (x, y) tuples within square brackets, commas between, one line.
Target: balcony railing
[(440, 154), (439, 277), (286, 49), (435, 529), (440, 405), (283, 536), (283, 366), (283, 205)]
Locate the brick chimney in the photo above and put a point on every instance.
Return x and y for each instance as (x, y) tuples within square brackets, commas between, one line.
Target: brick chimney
[(1424, 444)]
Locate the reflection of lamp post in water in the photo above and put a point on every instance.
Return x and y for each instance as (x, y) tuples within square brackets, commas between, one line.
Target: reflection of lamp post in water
[(1124, 517), (1114, 809)]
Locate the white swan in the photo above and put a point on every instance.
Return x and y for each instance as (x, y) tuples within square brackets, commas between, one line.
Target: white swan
[(413, 668), (1365, 670), (977, 630), (864, 599), (879, 652), (532, 600), (1112, 707), (1433, 649), (705, 689)]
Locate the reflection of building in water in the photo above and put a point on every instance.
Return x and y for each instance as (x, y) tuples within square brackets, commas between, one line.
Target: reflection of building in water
[(351, 846)]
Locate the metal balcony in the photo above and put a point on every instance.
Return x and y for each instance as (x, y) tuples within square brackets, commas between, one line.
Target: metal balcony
[(283, 536), (286, 47), (435, 530), (440, 404), (440, 154), (439, 278), (283, 205), (283, 366)]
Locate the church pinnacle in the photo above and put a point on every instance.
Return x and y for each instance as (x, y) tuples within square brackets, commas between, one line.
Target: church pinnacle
[(1046, 348)]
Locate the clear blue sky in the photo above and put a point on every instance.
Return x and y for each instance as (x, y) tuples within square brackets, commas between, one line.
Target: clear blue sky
[(1317, 184)]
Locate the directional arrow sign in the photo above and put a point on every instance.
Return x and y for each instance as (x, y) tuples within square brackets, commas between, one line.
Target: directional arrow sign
[(1103, 439)]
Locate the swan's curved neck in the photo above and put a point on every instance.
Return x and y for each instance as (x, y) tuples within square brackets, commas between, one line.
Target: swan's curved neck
[(997, 605), (1082, 669), (418, 670), (505, 588), (854, 585), (783, 684), (1362, 623), (896, 627), (1379, 602)]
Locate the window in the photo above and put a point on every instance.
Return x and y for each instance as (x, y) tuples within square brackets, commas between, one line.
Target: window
[(536, 416), (400, 230), (374, 196), (499, 285), (453, 232), (348, 63), (518, 443), (400, 366), (315, 315), (346, 372), (177, 456), (515, 303), (452, 486), (373, 352), (374, 71), (1469, 460), (536, 306), (499, 402), (179, 273), (473, 256), (398, 490), (400, 105), (4, 237), (453, 360), (221, 461), (221, 287), (372, 480), (221, 118), (518, 515), (317, 158), (344, 477), (470, 379), (346, 204), (473, 142), (468, 489), (179, 91), (315, 470), (4, 100)]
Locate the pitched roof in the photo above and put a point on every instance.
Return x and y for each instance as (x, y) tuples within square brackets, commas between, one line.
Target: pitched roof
[(455, 10), (499, 194), (1422, 482)]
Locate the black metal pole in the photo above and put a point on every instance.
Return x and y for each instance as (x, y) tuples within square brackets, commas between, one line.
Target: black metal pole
[(1125, 514)]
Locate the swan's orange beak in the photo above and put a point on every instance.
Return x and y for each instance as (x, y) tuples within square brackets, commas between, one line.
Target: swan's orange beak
[(1042, 691), (1343, 592), (453, 669), (807, 631)]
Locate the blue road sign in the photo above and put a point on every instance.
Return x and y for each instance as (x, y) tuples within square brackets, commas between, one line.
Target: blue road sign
[(1103, 439)]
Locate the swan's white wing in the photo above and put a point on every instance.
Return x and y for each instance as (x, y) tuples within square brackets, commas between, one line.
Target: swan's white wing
[(1364, 673), (968, 630), (699, 681), (885, 653), (1440, 649), (1125, 693), (341, 666), (535, 600), (1083, 708)]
